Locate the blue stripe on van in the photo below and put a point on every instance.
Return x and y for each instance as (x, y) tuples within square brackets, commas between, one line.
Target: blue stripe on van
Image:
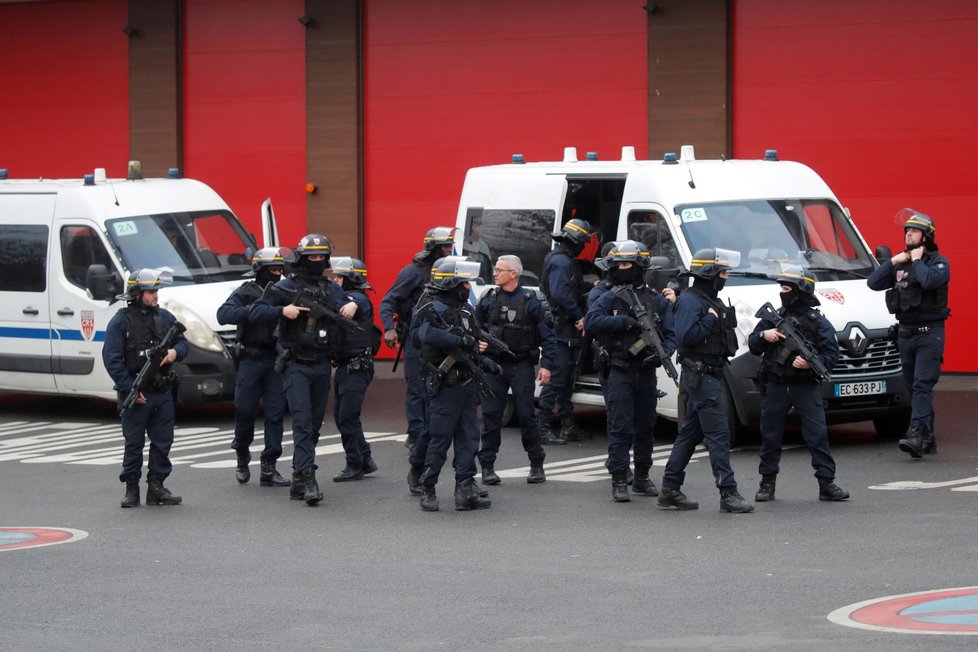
[(46, 334)]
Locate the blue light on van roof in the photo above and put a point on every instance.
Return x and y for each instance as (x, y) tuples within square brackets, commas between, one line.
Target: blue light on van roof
[(770, 155), (89, 179), (518, 158), (173, 173), (669, 158), (591, 156), (3, 174)]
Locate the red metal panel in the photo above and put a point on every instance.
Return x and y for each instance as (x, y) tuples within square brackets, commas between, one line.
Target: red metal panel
[(65, 88), (244, 98), (878, 97)]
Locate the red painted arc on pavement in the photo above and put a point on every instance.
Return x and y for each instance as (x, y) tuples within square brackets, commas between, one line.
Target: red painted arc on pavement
[(942, 611), (18, 538)]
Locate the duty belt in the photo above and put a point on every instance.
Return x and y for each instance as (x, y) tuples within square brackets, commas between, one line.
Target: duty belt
[(311, 359), (255, 352), (910, 331), (700, 367), (364, 361)]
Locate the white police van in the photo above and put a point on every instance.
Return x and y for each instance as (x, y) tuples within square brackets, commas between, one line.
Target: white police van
[(771, 211), (67, 245)]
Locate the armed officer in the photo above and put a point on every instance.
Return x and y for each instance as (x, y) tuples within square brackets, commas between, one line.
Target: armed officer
[(353, 357), (396, 310), (257, 379), (447, 331), (627, 364), (515, 317), (134, 330), (304, 352), (706, 338), (789, 381), (916, 282), (562, 283)]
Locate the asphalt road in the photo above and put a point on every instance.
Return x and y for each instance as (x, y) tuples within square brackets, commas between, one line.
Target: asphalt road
[(556, 566)]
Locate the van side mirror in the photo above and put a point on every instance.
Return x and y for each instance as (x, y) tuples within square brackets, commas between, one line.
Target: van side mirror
[(103, 284), (883, 253)]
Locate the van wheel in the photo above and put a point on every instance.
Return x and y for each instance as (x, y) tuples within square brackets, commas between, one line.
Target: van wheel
[(733, 423), (509, 413), (892, 426)]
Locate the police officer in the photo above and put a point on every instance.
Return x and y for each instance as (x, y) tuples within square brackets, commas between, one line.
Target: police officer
[(353, 357), (627, 365), (706, 338), (447, 331), (133, 330), (396, 310), (916, 281), (304, 343), (257, 379), (562, 283), (513, 315), (789, 381)]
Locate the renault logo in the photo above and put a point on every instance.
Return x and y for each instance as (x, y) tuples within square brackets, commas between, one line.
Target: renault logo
[(857, 342)]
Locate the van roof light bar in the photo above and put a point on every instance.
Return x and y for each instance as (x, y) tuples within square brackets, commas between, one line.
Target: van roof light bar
[(518, 159), (669, 158), (591, 156), (3, 174), (770, 155)]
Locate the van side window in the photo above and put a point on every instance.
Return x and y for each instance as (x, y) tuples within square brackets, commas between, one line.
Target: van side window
[(81, 246), (23, 257), (523, 233), (475, 246), (650, 228)]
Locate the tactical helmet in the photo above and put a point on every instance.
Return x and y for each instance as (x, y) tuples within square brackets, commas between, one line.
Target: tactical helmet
[(709, 262), (629, 251), (452, 271), (795, 276), (601, 262), (912, 219), (575, 231), (314, 244), (146, 279), (269, 257), (353, 269), (440, 235)]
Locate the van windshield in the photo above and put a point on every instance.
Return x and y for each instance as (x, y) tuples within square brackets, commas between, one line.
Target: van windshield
[(813, 233), (200, 247)]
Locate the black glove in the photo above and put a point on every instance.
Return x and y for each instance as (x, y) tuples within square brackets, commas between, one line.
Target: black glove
[(629, 323), (468, 341), (492, 367)]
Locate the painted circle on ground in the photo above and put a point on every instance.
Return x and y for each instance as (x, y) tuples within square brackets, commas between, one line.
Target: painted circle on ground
[(18, 538), (941, 611)]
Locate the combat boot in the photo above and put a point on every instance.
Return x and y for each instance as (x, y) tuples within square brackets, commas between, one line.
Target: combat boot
[(732, 501), (411, 438), (467, 496), (642, 484), (629, 476), (413, 480), (131, 499), (429, 501), (765, 492), (297, 490), (675, 499), (489, 475), (311, 493), (569, 430), (619, 488), (349, 473), (482, 491), (536, 475), (242, 474), (929, 443), (270, 477), (369, 466), (914, 444), (828, 490), (547, 436), (157, 494)]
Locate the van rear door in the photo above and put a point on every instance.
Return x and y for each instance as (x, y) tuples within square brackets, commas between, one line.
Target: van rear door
[(25, 318)]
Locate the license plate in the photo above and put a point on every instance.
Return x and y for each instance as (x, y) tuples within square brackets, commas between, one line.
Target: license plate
[(843, 390)]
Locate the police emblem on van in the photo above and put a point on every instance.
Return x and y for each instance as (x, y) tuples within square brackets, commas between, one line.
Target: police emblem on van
[(88, 324), (832, 295)]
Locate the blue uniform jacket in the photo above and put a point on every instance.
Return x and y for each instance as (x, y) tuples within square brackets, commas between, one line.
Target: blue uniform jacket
[(826, 342), (600, 317), (434, 334), (114, 349), (534, 311), (563, 294), (237, 309), (932, 271), (407, 283), (692, 319)]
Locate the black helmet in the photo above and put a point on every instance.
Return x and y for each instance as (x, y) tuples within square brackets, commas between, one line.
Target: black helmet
[(629, 251), (708, 263), (314, 244), (601, 262), (912, 219), (352, 269), (451, 271), (440, 235), (795, 276), (146, 279), (575, 231), (269, 257)]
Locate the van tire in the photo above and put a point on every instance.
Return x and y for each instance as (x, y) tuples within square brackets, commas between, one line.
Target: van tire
[(509, 413), (733, 423), (892, 426)]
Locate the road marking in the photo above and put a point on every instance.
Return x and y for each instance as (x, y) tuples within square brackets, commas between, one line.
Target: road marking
[(943, 612), (913, 485), (592, 469)]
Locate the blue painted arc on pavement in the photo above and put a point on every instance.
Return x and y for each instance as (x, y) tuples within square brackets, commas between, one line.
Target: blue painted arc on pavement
[(9, 538), (966, 607)]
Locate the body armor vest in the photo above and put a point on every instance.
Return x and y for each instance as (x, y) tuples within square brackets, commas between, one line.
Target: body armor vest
[(144, 331), (776, 364), (907, 295), (618, 342), (309, 336), (252, 335), (721, 343), (576, 280), (348, 344), (509, 321), (459, 320)]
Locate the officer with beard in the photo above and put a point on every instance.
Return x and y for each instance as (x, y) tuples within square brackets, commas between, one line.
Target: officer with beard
[(916, 282), (257, 379), (789, 381), (705, 333), (629, 371)]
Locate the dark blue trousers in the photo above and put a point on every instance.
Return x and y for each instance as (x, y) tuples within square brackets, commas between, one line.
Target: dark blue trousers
[(257, 381), (155, 420), (807, 400), (415, 398), (521, 377), (630, 399), (350, 391), (921, 356), (307, 390), (558, 392), (706, 421), (452, 421)]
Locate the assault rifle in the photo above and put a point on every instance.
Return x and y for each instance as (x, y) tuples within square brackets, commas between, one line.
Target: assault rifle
[(649, 335), (307, 298), (154, 358), (401, 329), (794, 340), (496, 345), (454, 356)]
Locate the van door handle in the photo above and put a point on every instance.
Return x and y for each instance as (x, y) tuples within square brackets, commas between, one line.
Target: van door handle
[(66, 312), (31, 311)]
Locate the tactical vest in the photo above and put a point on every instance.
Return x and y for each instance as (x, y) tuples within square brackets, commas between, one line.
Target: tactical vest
[(776, 364), (618, 342), (255, 335), (144, 330), (310, 337), (348, 344), (907, 295), (459, 320), (721, 342), (576, 280), (509, 321)]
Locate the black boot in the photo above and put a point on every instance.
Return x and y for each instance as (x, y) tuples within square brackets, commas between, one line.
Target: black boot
[(349, 473), (643, 485), (675, 499), (467, 496), (536, 475), (732, 501), (429, 501), (411, 438), (929, 443), (914, 444), (619, 488), (569, 431), (414, 484), (270, 477), (828, 490), (242, 474), (131, 499), (157, 494), (629, 476), (369, 466), (489, 475), (547, 436), (311, 493), (765, 492), (297, 490), (482, 491)]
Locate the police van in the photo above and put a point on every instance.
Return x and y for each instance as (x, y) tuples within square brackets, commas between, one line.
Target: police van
[(773, 212), (66, 247)]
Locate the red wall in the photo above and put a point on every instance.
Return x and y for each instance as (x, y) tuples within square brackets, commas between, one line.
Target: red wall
[(64, 95), (245, 103), (450, 85), (879, 97)]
